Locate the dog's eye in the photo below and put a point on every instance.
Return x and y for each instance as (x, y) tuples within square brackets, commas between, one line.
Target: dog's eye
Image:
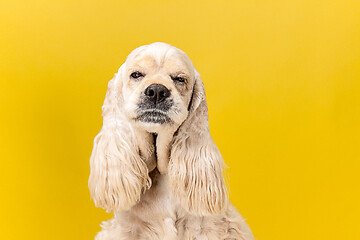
[(136, 75), (178, 79)]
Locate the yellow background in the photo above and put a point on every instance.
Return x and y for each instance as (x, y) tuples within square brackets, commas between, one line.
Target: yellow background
[(282, 80)]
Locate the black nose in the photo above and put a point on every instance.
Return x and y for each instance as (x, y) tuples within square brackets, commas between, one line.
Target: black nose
[(157, 93)]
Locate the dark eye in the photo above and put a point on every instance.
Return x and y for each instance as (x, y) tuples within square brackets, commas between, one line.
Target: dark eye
[(178, 79), (136, 75)]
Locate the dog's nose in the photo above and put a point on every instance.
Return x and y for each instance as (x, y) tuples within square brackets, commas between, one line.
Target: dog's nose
[(157, 93)]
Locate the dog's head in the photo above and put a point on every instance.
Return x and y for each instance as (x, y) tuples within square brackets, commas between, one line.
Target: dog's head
[(158, 82), (157, 90)]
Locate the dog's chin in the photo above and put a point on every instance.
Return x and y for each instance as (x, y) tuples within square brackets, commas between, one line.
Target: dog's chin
[(153, 121)]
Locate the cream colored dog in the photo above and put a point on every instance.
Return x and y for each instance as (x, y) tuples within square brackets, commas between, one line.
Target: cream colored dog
[(154, 163)]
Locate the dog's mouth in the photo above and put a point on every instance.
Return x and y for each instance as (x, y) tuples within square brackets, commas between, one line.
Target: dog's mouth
[(154, 116), (150, 112)]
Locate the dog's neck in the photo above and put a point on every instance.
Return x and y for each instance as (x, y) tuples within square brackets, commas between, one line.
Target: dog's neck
[(154, 148), (162, 142)]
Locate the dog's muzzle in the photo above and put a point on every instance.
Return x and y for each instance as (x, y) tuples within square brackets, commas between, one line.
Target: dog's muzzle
[(155, 104)]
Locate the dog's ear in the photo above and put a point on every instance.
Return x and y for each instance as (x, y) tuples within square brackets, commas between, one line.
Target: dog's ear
[(195, 168), (118, 175)]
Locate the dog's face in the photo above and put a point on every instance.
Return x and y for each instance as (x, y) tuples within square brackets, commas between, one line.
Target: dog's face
[(157, 87)]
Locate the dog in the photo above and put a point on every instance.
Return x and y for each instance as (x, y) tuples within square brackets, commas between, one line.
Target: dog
[(154, 163)]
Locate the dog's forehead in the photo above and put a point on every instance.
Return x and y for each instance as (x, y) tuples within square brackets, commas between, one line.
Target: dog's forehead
[(149, 62), (160, 55)]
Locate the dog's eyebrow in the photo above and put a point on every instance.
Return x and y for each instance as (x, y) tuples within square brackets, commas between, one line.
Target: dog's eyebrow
[(178, 73), (136, 68)]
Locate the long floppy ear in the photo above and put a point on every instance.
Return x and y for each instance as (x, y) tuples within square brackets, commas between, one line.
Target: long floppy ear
[(118, 175), (195, 168)]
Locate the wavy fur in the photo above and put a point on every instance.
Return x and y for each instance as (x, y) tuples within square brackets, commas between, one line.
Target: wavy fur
[(163, 181), (196, 164), (118, 174)]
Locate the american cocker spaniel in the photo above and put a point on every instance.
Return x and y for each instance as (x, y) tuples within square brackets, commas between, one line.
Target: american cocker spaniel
[(154, 163)]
